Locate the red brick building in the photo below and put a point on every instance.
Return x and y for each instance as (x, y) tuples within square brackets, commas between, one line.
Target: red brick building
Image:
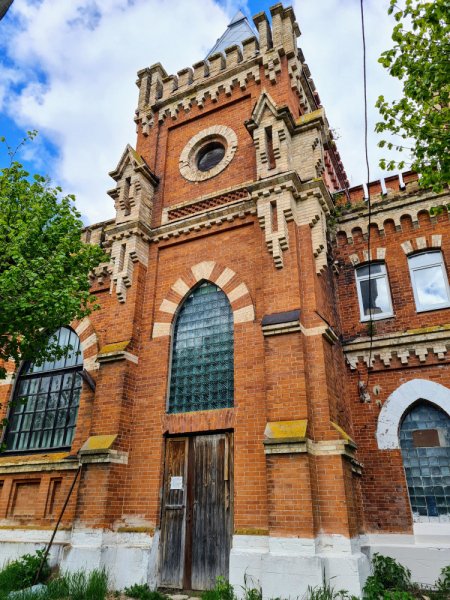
[(216, 407)]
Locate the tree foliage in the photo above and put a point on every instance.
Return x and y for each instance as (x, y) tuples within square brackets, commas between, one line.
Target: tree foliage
[(44, 265), (421, 60)]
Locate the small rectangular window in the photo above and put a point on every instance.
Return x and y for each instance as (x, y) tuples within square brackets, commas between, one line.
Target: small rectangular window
[(374, 295), (269, 148), (429, 281), (126, 196)]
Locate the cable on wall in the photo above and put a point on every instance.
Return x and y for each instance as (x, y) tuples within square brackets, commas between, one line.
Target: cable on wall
[(363, 388)]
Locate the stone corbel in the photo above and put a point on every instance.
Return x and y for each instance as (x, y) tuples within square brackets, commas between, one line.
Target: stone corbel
[(98, 449), (289, 437), (285, 437), (116, 352), (279, 323)]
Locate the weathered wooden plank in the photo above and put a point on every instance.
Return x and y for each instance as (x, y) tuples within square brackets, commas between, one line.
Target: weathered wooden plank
[(190, 499), (212, 514), (171, 566)]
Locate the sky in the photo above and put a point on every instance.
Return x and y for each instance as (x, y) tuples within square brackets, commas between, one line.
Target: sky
[(68, 69)]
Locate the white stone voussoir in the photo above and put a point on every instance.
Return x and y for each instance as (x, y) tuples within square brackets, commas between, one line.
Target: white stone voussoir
[(398, 403)]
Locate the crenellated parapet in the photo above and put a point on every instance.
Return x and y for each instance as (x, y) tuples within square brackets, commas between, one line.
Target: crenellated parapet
[(390, 204), (162, 96)]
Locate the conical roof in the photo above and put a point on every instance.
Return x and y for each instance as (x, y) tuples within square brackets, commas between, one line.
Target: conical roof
[(238, 30)]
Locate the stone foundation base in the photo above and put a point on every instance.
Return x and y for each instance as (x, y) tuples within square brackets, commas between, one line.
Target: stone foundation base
[(425, 553), (129, 557), (280, 567), (286, 567)]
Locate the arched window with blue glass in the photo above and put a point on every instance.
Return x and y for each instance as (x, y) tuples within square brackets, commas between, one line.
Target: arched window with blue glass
[(46, 400), (425, 445), (202, 370)]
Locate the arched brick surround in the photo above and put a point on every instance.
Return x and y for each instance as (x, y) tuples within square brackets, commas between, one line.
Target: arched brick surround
[(89, 342), (223, 277), (398, 403)]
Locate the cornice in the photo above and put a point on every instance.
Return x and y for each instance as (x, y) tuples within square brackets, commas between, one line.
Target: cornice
[(401, 344)]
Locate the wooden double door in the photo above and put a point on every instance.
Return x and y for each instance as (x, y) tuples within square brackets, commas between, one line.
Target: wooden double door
[(197, 511)]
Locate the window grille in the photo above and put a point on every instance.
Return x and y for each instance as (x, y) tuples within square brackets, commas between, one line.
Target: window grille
[(202, 375), (45, 405), (429, 280), (376, 304), (425, 445)]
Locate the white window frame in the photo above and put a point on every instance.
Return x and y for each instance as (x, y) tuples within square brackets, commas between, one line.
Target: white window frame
[(434, 263), (385, 315)]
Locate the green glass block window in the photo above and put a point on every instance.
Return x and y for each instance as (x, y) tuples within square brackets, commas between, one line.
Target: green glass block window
[(425, 445), (203, 353), (45, 406)]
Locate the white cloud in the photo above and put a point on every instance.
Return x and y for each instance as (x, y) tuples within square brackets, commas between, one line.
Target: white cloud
[(78, 61), (87, 54), (332, 43)]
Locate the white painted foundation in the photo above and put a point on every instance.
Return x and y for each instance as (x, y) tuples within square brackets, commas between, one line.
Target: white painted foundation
[(129, 557), (285, 567), (424, 553), (280, 567)]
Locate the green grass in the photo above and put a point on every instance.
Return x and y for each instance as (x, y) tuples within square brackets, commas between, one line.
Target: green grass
[(20, 574), (142, 592), (389, 581)]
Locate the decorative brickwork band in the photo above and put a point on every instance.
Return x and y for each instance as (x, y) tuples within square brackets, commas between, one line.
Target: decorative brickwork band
[(189, 209), (225, 278), (422, 342)]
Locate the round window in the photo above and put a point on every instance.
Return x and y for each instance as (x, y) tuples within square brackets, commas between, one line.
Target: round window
[(210, 156)]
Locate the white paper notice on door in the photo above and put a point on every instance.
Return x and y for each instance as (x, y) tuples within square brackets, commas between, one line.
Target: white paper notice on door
[(176, 483)]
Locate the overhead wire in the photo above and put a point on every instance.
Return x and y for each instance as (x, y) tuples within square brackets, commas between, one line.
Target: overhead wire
[(369, 205)]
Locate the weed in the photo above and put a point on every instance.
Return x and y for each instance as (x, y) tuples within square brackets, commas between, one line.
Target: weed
[(21, 573), (443, 583), (327, 592), (371, 328), (223, 591), (389, 580), (136, 590), (143, 592), (251, 593), (80, 585)]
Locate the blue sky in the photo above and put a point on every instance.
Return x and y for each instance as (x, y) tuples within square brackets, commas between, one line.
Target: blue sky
[(68, 69)]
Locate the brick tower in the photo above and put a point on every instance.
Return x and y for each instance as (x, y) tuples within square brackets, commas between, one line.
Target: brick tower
[(239, 443)]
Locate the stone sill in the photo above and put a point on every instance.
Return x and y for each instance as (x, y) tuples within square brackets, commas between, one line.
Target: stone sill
[(305, 445), (32, 463), (281, 328), (110, 456)]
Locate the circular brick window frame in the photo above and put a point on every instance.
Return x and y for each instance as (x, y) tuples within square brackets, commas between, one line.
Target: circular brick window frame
[(189, 156)]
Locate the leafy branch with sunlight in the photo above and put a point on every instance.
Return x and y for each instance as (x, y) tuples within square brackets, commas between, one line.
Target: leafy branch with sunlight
[(421, 60), (44, 265)]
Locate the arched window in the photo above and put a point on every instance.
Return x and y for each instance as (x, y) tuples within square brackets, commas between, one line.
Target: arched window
[(202, 376), (46, 400), (425, 444)]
